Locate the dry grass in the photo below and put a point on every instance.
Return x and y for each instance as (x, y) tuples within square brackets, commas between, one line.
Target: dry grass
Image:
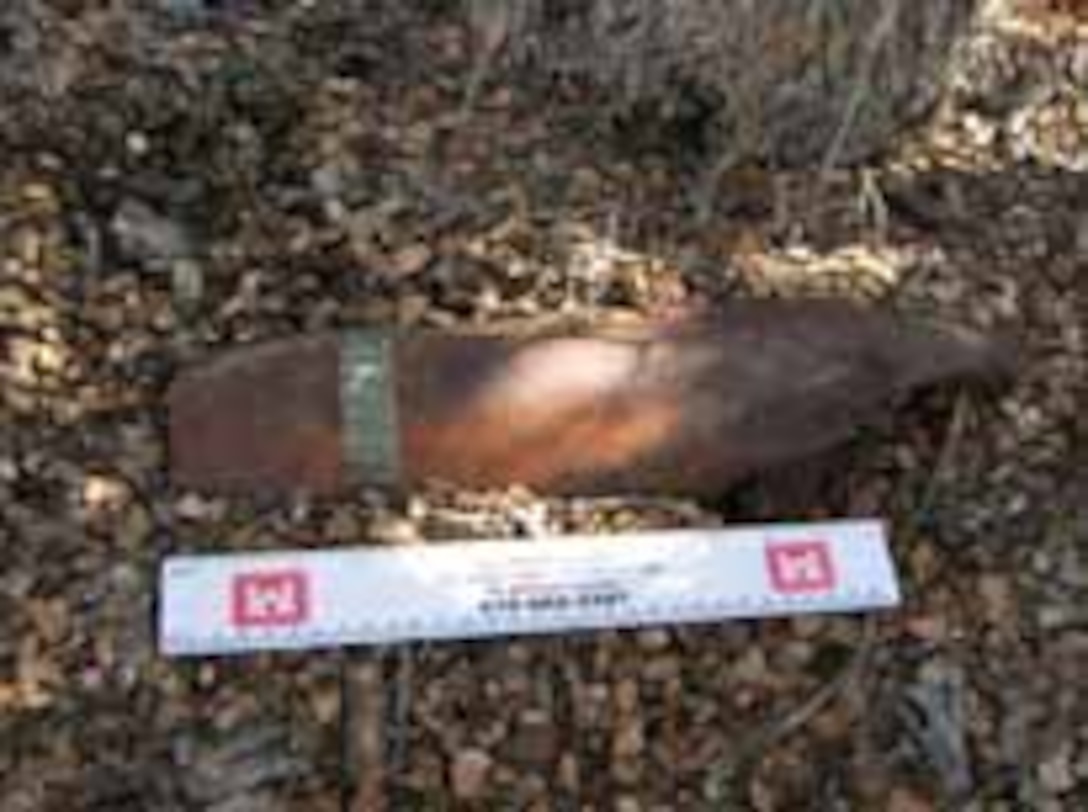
[(791, 82)]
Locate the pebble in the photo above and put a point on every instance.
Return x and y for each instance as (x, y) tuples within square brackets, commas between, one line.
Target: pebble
[(653, 639), (145, 235), (998, 599), (535, 737), (186, 283), (104, 493), (343, 526), (628, 740), (752, 667), (1057, 616), (136, 528), (797, 653), (626, 697), (1081, 768), (412, 308), (567, 773), (409, 261), (137, 142), (808, 626), (39, 193), (662, 669), (9, 469), (1056, 774), (195, 508), (469, 772), (326, 706), (184, 9), (907, 800), (931, 628), (393, 530)]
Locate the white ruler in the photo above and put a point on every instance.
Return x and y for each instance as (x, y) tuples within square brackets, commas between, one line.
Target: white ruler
[(217, 604)]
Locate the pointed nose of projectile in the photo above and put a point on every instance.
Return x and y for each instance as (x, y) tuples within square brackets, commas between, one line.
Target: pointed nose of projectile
[(931, 356), (259, 416)]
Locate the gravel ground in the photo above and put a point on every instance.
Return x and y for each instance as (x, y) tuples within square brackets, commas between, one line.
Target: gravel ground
[(186, 174)]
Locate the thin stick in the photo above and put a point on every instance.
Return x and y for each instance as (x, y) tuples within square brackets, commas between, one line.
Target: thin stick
[(862, 89), (950, 446), (399, 713), (494, 23), (749, 752), (364, 745)]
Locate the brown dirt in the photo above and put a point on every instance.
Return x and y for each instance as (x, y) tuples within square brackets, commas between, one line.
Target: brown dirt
[(174, 182)]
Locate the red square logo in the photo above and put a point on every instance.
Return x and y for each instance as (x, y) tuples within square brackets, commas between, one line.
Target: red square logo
[(269, 599), (798, 567)]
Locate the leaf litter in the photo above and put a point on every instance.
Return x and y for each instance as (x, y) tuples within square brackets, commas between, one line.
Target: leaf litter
[(319, 165)]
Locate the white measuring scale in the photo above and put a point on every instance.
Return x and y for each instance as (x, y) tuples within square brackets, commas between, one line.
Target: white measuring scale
[(291, 600)]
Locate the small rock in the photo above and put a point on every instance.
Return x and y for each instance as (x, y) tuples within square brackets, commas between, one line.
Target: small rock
[(343, 525), (1081, 768), (9, 469), (194, 508), (797, 653), (629, 741), (38, 193), (654, 639), (567, 774), (535, 739), (412, 308), (137, 143), (146, 236), (906, 800), (928, 628), (258, 802), (934, 717), (409, 261), (1056, 616), (661, 669), (326, 706), (104, 493), (832, 725), (1056, 774), (136, 528), (186, 283), (626, 697), (469, 772), (808, 626), (187, 9), (998, 599), (328, 181), (1082, 234), (393, 530), (752, 667)]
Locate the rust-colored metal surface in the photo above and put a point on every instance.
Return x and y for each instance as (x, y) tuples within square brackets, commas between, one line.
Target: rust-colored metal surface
[(684, 407), (264, 416)]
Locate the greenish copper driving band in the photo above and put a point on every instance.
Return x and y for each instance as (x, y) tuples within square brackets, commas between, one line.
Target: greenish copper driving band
[(368, 407)]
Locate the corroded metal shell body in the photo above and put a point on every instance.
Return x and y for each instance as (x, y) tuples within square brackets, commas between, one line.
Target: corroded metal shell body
[(683, 407)]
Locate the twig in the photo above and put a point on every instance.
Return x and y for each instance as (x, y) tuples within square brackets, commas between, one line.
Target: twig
[(872, 204), (494, 21), (364, 745), (400, 710), (862, 88), (949, 448), (800, 716), (751, 750)]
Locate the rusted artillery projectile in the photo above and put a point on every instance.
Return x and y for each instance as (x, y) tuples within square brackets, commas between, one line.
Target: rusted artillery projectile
[(684, 407)]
